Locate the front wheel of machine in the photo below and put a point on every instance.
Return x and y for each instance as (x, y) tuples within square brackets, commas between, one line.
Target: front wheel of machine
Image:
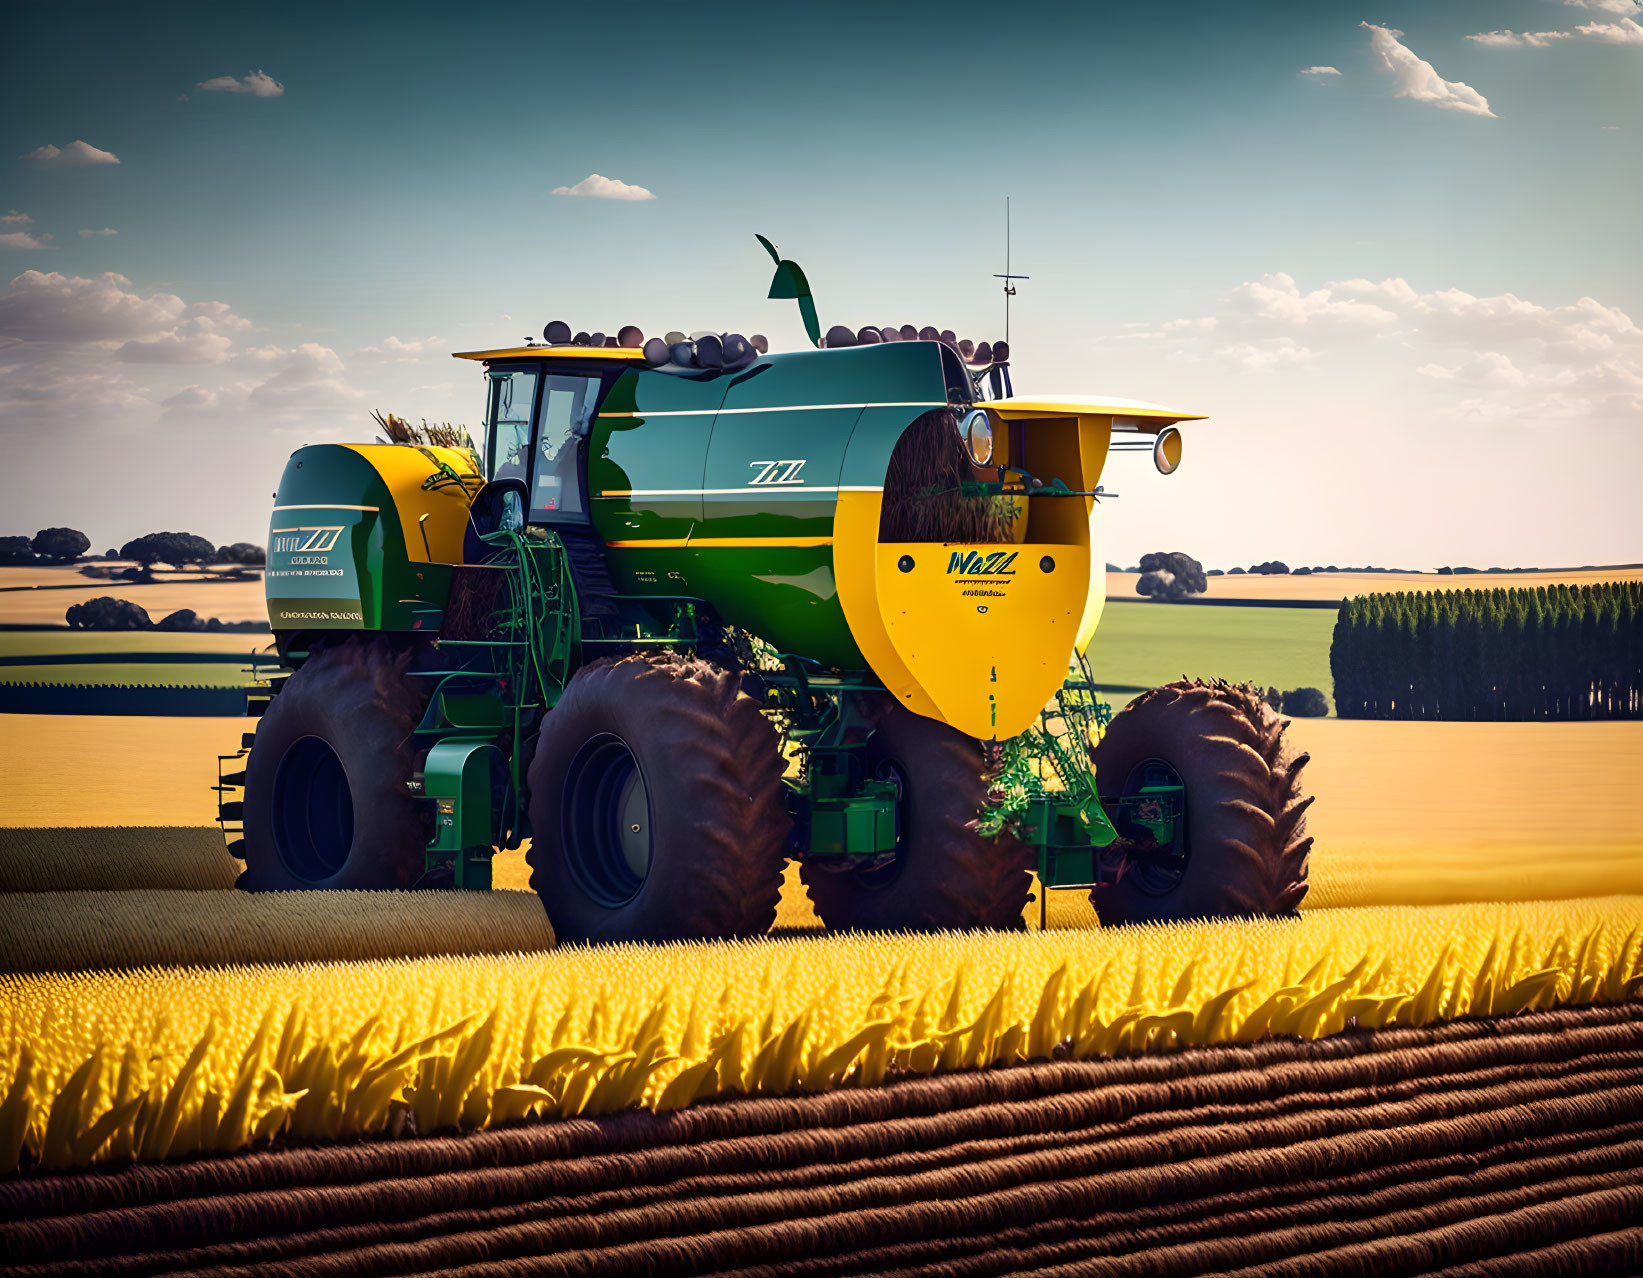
[(656, 805), (945, 875), (327, 797), (1246, 843)]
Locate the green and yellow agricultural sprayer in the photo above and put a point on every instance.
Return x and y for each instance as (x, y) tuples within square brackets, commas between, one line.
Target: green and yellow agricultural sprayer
[(693, 609)]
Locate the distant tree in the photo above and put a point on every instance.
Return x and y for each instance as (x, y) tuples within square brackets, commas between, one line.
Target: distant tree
[(107, 613), (1306, 703), (111, 554), (1274, 699), (60, 545), (1214, 572), (175, 548), (182, 619), (15, 551), (1446, 571), (242, 552), (1303, 572), (1114, 568), (1272, 567), (1170, 576)]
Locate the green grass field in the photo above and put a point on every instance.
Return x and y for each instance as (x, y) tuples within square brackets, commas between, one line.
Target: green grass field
[(129, 658), (131, 674), (1141, 645), (59, 643)]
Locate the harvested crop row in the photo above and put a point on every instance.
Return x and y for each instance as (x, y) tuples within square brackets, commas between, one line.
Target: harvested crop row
[(322, 1051), (89, 931), (1469, 1139), (66, 859)]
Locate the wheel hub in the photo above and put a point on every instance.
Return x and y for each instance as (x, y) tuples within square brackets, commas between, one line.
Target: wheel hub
[(313, 811), (605, 822)]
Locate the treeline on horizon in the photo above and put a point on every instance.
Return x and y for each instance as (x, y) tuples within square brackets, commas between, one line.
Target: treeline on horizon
[(1550, 652)]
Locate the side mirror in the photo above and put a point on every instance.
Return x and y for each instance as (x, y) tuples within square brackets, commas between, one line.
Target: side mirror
[(499, 505)]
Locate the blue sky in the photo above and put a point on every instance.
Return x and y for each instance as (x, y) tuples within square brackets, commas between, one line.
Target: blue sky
[(1372, 283)]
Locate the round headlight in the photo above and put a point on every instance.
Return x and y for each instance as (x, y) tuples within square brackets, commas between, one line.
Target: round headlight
[(1166, 450), (976, 429)]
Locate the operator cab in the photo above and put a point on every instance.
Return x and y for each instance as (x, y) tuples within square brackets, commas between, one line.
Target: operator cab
[(536, 428)]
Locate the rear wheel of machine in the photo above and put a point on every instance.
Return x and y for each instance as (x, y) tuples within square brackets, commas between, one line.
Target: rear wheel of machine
[(1246, 845), (656, 803), (327, 797), (945, 875)]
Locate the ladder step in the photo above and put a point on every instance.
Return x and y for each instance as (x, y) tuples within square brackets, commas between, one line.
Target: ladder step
[(247, 740), (234, 811), (232, 779), (236, 849)]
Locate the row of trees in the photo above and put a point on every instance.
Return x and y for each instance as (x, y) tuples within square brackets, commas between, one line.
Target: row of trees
[(1552, 652), (68, 545)]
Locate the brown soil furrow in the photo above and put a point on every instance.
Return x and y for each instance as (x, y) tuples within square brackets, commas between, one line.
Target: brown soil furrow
[(568, 1191), (1364, 1194), (706, 1236)]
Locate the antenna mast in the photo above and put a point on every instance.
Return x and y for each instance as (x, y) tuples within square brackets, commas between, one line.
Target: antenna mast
[(1009, 288)]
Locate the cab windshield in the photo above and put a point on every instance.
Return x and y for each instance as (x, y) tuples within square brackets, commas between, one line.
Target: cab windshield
[(508, 422)]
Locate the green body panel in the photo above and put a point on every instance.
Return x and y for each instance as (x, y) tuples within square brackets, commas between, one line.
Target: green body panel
[(786, 595), (336, 551), (461, 776), (658, 460), (751, 456)]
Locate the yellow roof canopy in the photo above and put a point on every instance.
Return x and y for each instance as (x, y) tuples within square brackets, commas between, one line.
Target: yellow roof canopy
[(555, 352), (1139, 410)]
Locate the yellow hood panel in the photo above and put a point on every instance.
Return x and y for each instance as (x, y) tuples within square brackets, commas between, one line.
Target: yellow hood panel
[(985, 630)]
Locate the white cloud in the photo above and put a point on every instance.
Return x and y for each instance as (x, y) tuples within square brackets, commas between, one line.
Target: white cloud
[(1516, 359), (1320, 73), (42, 306), (1626, 31), (1282, 352), (255, 83), (63, 157), (596, 187), (14, 218), (306, 377), (397, 351), (1605, 6), (89, 234), (1417, 80), (194, 341), (21, 240), (1505, 39), (192, 398)]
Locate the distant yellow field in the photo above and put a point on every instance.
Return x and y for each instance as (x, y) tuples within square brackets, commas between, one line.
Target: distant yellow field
[(1339, 585), (111, 769), (1407, 813)]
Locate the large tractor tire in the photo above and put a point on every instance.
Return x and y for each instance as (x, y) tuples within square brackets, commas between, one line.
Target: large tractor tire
[(327, 795), (945, 875), (1246, 842), (656, 803)]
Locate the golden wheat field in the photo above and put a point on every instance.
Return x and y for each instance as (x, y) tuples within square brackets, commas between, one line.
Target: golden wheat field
[(147, 927), (157, 1063)]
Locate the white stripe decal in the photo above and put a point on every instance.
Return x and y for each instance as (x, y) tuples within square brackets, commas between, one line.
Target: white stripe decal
[(784, 408), (330, 505), (766, 490)]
